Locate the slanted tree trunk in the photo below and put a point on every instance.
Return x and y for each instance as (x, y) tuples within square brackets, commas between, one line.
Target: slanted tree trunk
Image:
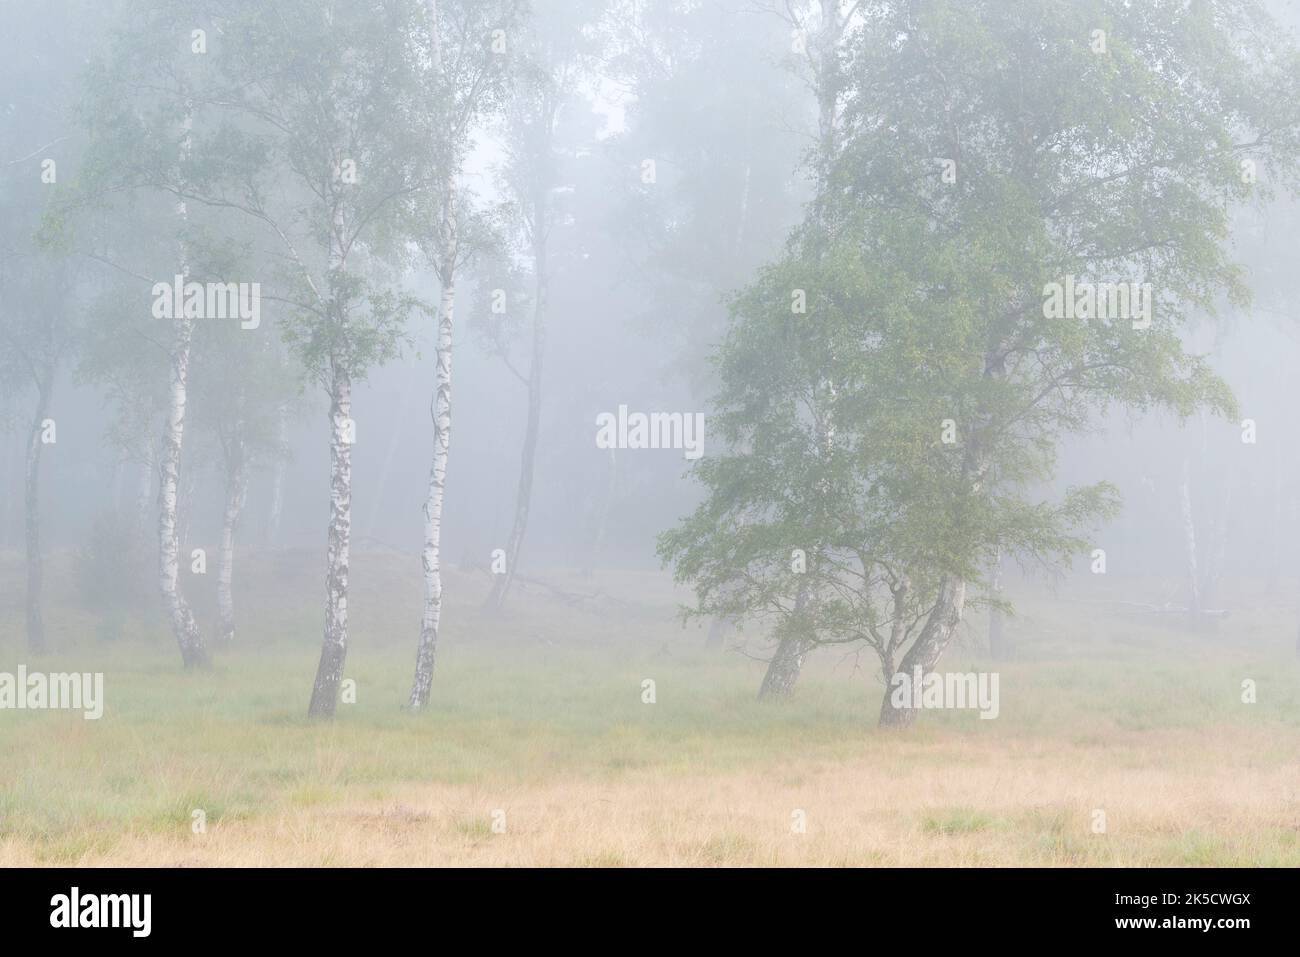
[(941, 624), (936, 635), (784, 668), (528, 457), (440, 411), (334, 648), (236, 493), (791, 650), (35, 623)]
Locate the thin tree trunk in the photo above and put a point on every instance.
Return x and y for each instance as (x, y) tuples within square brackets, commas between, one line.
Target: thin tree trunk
[(528, 457), (35, 623), (440, 411), (431, 555), (334, 648), (236, 493), (184, 627)]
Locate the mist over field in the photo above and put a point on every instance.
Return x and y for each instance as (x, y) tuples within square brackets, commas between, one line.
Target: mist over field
[(637, 432)]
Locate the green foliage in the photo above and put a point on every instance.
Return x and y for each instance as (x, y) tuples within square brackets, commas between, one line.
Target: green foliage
[(899, 431)]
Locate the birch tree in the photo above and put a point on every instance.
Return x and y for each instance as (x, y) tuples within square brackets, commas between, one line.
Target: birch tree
[(38, 324), (819, 31), (311, 122), (141, 139), (933, 333), (468, 46), (337, 200)]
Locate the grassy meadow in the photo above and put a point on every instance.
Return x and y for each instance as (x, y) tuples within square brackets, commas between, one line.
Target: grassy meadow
[(538, 748)]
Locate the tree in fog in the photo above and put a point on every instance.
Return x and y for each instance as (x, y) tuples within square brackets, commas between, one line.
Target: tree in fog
[(468, 43), (311, 123), (38, 323), (721, 97), (320, 138), (242, 390), (556, 54), (820, 30), (964, 203), (43, 291), (712, 108), (140, 110)]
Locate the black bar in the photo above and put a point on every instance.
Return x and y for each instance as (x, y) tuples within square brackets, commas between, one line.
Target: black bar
[(488, 907)]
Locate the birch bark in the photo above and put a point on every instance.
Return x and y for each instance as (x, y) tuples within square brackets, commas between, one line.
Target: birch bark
[(440, 411), (184, 627), (329, 673)]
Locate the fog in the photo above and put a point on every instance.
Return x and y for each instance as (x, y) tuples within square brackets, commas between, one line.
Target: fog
[(797, 225)]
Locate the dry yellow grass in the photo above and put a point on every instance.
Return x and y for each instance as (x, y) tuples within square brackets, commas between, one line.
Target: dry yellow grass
[(967, 802), (540, 714)]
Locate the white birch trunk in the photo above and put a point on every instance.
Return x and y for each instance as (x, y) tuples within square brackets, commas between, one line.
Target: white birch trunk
[(440, 412), (941, 624), (184, 627), (431, 556), (939, 629), (329, 673)]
